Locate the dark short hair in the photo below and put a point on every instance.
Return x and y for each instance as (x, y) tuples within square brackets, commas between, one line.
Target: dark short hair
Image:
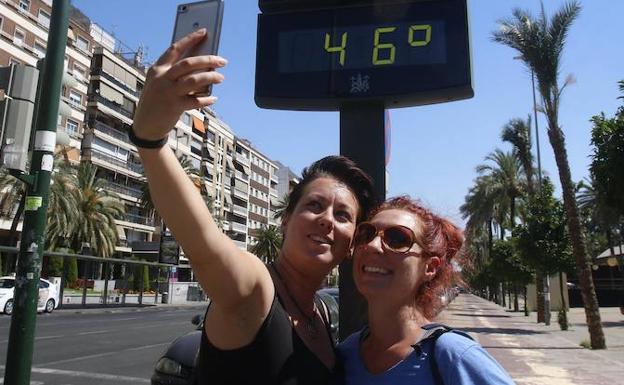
[(345, 171)]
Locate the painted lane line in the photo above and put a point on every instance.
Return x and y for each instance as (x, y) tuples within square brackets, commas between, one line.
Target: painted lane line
[(73, 373), (94, 332), (103, 354)]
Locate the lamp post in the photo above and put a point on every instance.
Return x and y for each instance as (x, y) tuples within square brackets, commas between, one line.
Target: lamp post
[(546, 288)]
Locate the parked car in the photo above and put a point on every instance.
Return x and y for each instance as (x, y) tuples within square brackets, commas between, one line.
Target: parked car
[(48, 295), (177, 365)]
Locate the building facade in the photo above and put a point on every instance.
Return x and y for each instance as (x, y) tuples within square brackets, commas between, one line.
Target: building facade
[(101, 89)]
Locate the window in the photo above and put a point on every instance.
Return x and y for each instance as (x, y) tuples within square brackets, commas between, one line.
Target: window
[(185, 118), (24, 5), (44, 18), (75, 98), (71, 127), (40, 49), (82, 43), (14, 61), (18, 37)]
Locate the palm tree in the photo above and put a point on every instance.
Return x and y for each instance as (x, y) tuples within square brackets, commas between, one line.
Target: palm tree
[(97, 209), (518, 133), (280, 208), (63, 214), (540, 42), (507, 184), (12, 195), (268, 243)]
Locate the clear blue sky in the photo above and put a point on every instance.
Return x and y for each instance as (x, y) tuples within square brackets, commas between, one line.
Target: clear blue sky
[(434, 148)]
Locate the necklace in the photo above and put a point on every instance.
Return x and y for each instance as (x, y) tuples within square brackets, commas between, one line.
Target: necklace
[(310, 323)]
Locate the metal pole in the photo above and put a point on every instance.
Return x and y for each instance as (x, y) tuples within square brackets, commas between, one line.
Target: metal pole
[(362, 139), (539, 189), (21, 336)]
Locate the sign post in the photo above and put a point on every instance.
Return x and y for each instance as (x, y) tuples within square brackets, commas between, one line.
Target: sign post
[(361, 57), (21, 335)]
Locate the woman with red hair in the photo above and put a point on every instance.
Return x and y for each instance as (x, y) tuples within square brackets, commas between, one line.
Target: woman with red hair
[(402, 265)]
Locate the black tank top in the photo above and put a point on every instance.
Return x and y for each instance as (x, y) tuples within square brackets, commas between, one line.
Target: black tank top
[(276, 356)]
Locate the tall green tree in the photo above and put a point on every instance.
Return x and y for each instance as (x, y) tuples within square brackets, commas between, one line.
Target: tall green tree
[(540, 42), (268, 243), (608, 158), (542, 240)]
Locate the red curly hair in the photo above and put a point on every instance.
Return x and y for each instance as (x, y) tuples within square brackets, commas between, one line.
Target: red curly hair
[(441, 239)]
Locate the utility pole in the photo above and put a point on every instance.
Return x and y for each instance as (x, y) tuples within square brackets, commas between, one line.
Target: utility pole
[(21, 335)]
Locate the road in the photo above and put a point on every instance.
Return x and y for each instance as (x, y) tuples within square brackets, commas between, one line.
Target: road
[(105, 347)]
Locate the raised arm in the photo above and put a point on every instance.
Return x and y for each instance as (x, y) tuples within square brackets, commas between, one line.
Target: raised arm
[(237, 282)]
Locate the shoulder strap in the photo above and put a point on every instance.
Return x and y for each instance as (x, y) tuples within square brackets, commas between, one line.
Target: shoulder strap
[(432, 333), (324, 312)]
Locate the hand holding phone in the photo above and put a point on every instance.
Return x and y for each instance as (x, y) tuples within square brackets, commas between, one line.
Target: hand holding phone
[(193, 16)]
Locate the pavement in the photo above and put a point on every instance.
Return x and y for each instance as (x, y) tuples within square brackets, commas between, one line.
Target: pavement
[(535, 354)]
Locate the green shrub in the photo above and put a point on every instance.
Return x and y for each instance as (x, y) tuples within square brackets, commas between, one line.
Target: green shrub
[(72, 272), (146, 278), (55, 266)]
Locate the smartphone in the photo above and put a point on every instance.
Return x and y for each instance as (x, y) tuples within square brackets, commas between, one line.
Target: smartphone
[(202, 14)]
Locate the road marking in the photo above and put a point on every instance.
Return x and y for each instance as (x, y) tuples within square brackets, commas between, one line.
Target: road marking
[(38, 338), (73, 373), (94, 332), (104, 354)]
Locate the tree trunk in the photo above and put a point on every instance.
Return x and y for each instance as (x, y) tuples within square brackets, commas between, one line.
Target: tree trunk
[(583, 264), (539, 292), (516, 305)]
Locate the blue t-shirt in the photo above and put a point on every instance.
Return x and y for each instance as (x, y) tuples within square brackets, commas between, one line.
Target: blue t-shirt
[(460, 361)]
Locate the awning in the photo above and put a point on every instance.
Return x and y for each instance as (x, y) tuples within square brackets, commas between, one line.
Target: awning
[(274, 202), (247, 169), (70, 34), (73, 155), (230, 163), (211, 153), (121, 233), (198, 124), (208, 169), (228, 199)]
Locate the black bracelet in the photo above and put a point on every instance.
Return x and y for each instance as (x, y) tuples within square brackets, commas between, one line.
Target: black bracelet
[(144, 143)]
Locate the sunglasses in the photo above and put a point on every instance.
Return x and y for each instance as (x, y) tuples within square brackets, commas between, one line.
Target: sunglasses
[(396, 238)]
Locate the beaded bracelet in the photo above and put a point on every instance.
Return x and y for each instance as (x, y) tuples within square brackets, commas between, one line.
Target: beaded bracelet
[(144, 143)]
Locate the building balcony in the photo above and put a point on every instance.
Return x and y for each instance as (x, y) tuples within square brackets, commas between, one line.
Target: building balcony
[(125, 190), (112, 79), (240, 158), (239, 210), (273, 192), (238, 227), (112, 105), (112, 132), (240, 194), (274, 178), (241, 176), (138, 219), (135, 167)]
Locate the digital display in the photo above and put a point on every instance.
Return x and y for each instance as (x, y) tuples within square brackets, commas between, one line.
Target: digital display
[(398, 54), (358, 47)]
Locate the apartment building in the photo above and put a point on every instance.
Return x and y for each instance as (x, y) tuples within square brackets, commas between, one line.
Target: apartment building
[(101, 90)]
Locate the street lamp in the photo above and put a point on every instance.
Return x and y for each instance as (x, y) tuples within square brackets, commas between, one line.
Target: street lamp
[(539, 189)]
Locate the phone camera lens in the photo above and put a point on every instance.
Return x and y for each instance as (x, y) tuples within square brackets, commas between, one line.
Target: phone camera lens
[(183, 8)]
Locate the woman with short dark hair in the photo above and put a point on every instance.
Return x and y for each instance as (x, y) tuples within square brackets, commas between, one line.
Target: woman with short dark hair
[(263, 325)]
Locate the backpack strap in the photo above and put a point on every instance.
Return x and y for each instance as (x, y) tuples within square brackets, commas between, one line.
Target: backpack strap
[(431, 334)]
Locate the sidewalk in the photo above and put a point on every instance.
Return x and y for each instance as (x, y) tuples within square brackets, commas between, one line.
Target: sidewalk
[(535, 354)]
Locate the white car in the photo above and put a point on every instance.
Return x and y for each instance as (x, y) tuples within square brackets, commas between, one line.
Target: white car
[(48, 295)]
